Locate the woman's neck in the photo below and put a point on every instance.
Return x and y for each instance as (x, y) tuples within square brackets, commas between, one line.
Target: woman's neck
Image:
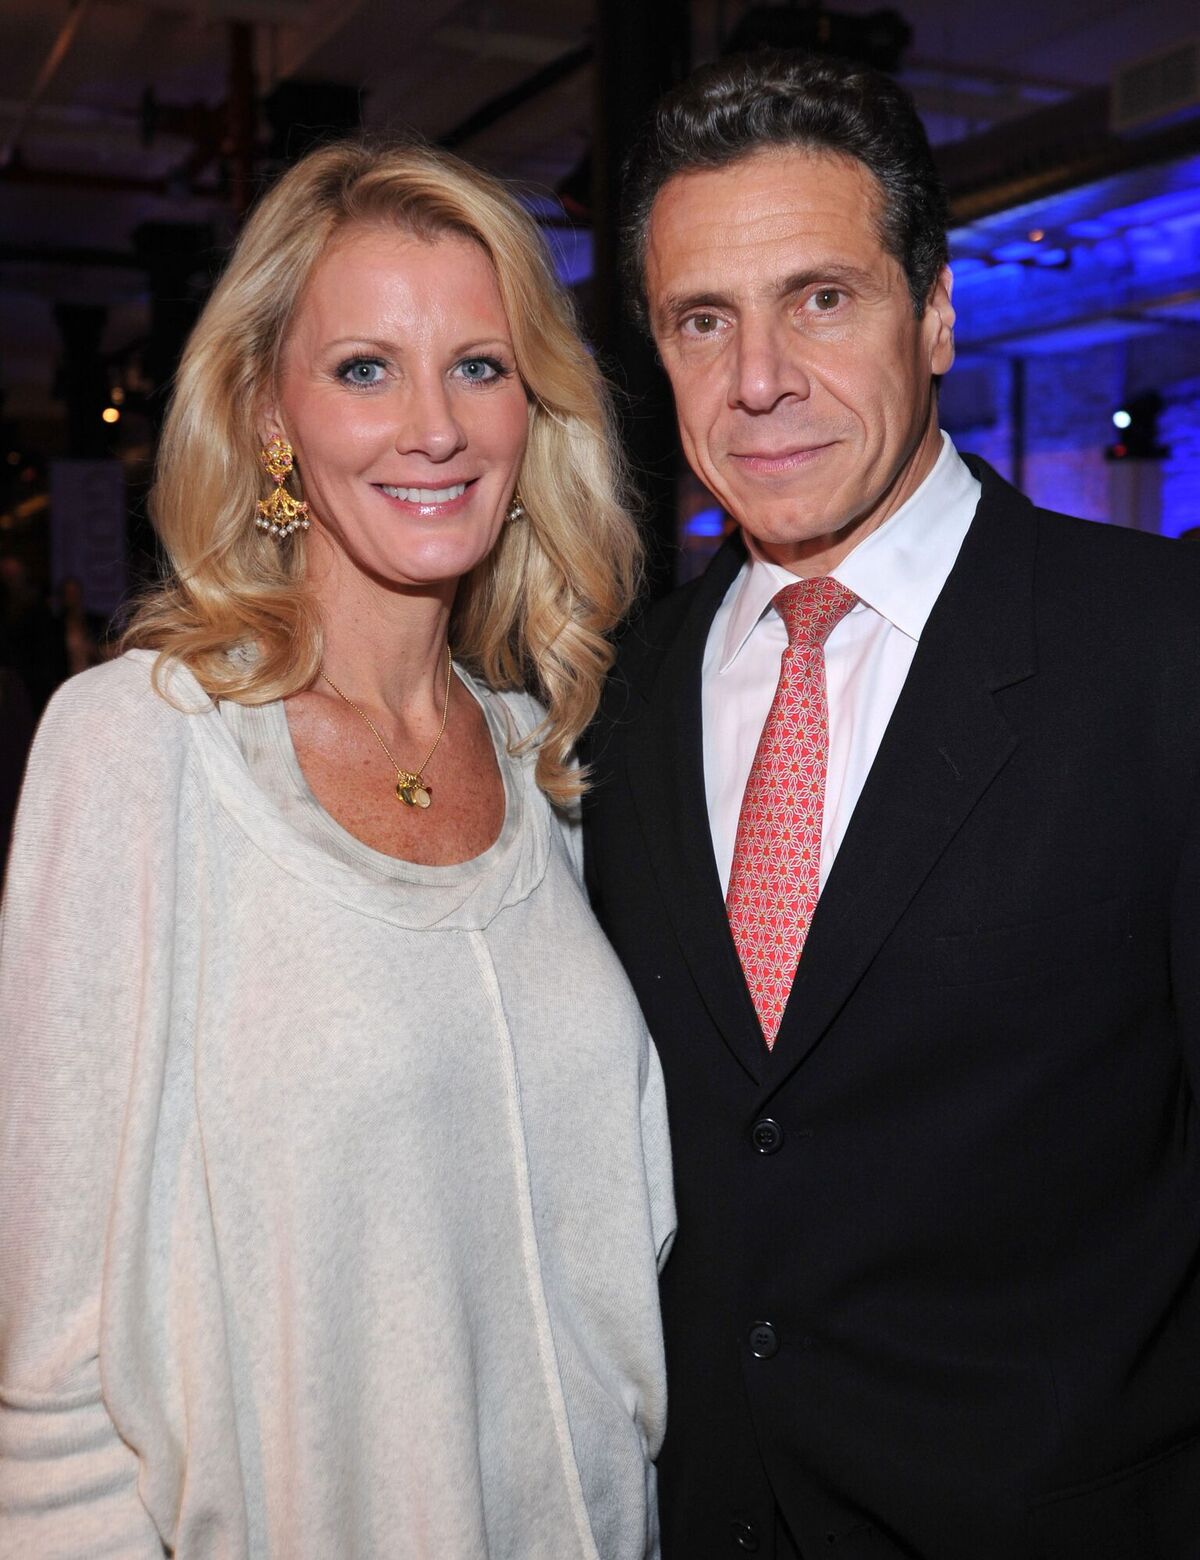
[(385, 647)]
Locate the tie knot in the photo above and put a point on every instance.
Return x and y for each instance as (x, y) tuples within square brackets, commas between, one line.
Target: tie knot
[(812, 609)]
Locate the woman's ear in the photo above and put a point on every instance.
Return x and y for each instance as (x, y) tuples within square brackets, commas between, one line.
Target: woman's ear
[(267, 424)]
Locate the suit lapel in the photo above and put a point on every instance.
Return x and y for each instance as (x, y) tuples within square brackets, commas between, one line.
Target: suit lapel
[(946, 742), (666, 775)]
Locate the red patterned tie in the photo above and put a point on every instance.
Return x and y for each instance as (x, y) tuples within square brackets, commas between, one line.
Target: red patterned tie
[(775, 878)]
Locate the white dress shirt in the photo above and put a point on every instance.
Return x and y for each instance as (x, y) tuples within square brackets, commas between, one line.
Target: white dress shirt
[(897, 573)]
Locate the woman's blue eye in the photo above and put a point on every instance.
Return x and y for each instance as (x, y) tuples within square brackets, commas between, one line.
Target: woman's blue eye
[(361, 371), (480, 370)]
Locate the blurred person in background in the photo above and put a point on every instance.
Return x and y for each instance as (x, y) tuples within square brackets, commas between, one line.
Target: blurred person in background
[(333, 1145), (81, 633)]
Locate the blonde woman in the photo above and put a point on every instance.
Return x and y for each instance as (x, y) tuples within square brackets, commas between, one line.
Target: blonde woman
[(332, 1144)]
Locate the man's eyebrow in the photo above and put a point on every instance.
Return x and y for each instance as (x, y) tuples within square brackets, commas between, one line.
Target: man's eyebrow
[(675, 305), (836, 273)]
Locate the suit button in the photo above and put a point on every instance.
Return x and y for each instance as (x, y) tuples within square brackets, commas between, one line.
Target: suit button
[(764, 1341), (767, 1136), (745, 1536)]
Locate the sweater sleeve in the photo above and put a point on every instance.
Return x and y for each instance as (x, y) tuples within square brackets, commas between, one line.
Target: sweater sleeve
[(83, 912), (656, 1151)]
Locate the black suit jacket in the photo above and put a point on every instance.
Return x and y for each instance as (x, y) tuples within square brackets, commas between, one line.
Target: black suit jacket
[(964, 1189)]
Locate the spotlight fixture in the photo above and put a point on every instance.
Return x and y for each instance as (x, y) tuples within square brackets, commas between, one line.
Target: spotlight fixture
[(1136, 423)]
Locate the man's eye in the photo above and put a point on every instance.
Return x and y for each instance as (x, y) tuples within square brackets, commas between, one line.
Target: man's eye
[(826, 298), (702, 324)]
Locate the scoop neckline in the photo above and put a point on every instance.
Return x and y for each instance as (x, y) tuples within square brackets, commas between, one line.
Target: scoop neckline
[(378, 861)]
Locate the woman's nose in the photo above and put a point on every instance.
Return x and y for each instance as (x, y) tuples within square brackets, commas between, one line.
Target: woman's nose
[(427, 425)]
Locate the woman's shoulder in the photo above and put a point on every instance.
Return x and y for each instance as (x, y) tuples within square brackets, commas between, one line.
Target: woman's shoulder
[(526, 717), (122, 716), (515, 715), (523, 711)]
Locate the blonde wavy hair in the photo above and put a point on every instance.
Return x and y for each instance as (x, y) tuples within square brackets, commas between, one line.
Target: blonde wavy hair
[(537, 612)]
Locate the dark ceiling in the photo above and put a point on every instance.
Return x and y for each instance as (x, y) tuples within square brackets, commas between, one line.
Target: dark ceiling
[(116, 113)]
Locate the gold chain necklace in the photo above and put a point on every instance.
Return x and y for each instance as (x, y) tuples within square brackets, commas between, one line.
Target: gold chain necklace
[(411, 788)]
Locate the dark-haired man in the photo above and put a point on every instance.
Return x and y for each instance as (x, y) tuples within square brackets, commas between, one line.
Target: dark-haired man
[(894, 828)]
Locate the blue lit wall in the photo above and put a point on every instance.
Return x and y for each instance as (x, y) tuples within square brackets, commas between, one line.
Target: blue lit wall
[(1096, 294), (1180, 425)]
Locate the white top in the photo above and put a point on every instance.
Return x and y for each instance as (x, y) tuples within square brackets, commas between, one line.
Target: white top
[(331, 1187), (897, 572)]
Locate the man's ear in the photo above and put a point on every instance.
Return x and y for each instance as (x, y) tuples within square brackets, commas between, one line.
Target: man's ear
[(939, 323)]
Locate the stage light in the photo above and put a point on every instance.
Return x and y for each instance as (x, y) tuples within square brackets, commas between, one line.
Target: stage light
[(110, 414), (1137, 422)]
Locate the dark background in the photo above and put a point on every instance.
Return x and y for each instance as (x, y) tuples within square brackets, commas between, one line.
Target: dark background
[(134, 136)]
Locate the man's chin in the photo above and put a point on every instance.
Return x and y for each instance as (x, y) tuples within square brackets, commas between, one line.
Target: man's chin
[(784, 529), (794, 542)]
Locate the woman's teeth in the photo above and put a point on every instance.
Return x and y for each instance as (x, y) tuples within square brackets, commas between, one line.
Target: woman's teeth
[(413, 495)]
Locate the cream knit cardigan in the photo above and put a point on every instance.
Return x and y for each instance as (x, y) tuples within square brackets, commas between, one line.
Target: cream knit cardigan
[(331, 1188)]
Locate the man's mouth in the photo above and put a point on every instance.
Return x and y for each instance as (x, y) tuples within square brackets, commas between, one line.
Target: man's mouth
[(796, 452), (767, 463)]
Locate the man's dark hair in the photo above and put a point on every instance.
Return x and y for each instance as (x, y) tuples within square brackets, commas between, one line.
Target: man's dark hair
[(810, 102)]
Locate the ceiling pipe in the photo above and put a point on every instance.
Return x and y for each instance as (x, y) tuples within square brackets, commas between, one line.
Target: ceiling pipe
[(1053, 149), (990, 75), (505, 103), (59, 50)]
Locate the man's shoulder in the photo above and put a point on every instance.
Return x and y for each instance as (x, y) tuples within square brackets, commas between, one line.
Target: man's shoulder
[(1101, 540), (1119, 577), (656, 626), (1090, 566), (642, 647), (652, 632)]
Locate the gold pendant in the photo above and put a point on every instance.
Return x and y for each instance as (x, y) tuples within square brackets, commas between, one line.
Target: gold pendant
[(412, 790)]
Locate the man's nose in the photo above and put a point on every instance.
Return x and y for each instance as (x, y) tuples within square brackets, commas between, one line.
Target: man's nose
[(768, 366), (427, 424)]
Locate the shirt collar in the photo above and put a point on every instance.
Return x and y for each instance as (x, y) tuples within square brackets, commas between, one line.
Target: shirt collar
[(897, 570)]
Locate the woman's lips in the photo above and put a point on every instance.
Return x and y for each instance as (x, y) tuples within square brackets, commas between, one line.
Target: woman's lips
[(443, 500)]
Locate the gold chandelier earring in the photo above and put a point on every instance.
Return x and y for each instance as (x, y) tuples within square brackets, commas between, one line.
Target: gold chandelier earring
[(280, 514), (516, 509)]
